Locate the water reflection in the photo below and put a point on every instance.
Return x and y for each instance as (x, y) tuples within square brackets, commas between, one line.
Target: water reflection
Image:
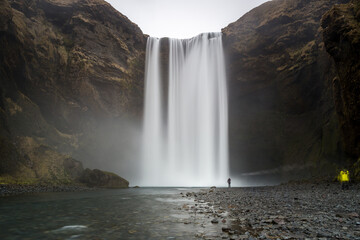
[(146, 213)]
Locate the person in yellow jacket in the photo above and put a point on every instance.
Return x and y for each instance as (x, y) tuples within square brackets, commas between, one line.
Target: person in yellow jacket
[(344, 178)]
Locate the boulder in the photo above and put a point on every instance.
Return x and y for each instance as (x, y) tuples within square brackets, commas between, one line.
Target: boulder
[(102, 179)]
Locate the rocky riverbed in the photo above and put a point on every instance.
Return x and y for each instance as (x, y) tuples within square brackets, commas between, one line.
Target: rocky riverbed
[(291, 211), (17, 189)]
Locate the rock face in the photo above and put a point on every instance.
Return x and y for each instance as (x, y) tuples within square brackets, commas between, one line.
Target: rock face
[(33, 163), (98, 178), (342, 41), (65, 66), (281, 106), (79, 59)]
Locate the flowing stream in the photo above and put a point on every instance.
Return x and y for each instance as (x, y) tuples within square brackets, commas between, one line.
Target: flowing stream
[(185, 135)]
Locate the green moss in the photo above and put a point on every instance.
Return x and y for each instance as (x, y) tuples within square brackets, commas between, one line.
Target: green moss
[(6, 179)]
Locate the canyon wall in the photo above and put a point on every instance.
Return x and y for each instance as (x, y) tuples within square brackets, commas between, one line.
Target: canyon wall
[(342, 41), (282, 113), (68, 70)]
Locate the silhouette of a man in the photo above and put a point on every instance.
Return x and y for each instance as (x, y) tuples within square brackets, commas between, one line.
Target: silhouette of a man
[(229, 182)]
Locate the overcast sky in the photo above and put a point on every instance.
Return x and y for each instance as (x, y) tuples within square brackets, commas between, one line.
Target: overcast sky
[(183, 18)]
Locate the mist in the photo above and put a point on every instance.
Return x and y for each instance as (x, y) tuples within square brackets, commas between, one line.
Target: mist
[(114, 146)]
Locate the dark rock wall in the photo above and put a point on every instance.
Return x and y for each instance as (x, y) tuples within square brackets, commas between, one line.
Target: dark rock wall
[(65, 68), (281, 106), (75, 60), (342, 40)]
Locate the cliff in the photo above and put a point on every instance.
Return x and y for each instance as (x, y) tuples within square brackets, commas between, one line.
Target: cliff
[(342, 41), (281, 108), (65, 67)]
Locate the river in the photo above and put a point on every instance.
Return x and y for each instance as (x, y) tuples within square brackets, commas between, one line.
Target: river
[(134, 213)]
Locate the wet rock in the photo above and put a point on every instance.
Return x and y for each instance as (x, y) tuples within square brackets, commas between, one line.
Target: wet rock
[(98, 178), (214, 220), (278, 221), (243, 236), (225, 229), (353, 215)]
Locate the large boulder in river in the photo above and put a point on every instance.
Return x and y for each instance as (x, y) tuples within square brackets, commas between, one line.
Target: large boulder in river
[(98, 178)]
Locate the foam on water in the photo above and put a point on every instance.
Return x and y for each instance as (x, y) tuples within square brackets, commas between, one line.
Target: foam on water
[(71, 228)]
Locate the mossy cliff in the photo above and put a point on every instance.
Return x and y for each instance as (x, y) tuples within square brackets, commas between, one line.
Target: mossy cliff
[(281, 108), (65, 66)]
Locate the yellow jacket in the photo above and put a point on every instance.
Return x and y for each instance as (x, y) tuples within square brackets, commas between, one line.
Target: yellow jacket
[(344, 176)]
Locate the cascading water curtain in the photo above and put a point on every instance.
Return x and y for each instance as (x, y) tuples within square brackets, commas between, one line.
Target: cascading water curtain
[(186, 144)]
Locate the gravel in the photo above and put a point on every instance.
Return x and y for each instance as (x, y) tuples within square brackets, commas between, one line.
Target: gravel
[(17, 189), (290, 211)]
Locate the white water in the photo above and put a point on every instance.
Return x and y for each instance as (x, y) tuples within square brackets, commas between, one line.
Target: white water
[(186, 144)]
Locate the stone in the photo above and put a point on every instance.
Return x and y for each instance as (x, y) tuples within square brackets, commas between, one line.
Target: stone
[(214, 220), (98, 178)]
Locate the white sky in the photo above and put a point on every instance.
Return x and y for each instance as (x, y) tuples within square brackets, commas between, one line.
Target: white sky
[(183, 18)]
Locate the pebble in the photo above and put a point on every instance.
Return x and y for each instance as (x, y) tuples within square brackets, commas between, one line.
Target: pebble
[(214, 220), (17, 189), (288, 211)]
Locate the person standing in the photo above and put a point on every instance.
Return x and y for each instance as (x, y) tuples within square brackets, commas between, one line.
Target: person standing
[(229, 182), (344, 178)]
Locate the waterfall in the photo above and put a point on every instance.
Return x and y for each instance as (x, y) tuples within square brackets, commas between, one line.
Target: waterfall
[(187, 143)]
